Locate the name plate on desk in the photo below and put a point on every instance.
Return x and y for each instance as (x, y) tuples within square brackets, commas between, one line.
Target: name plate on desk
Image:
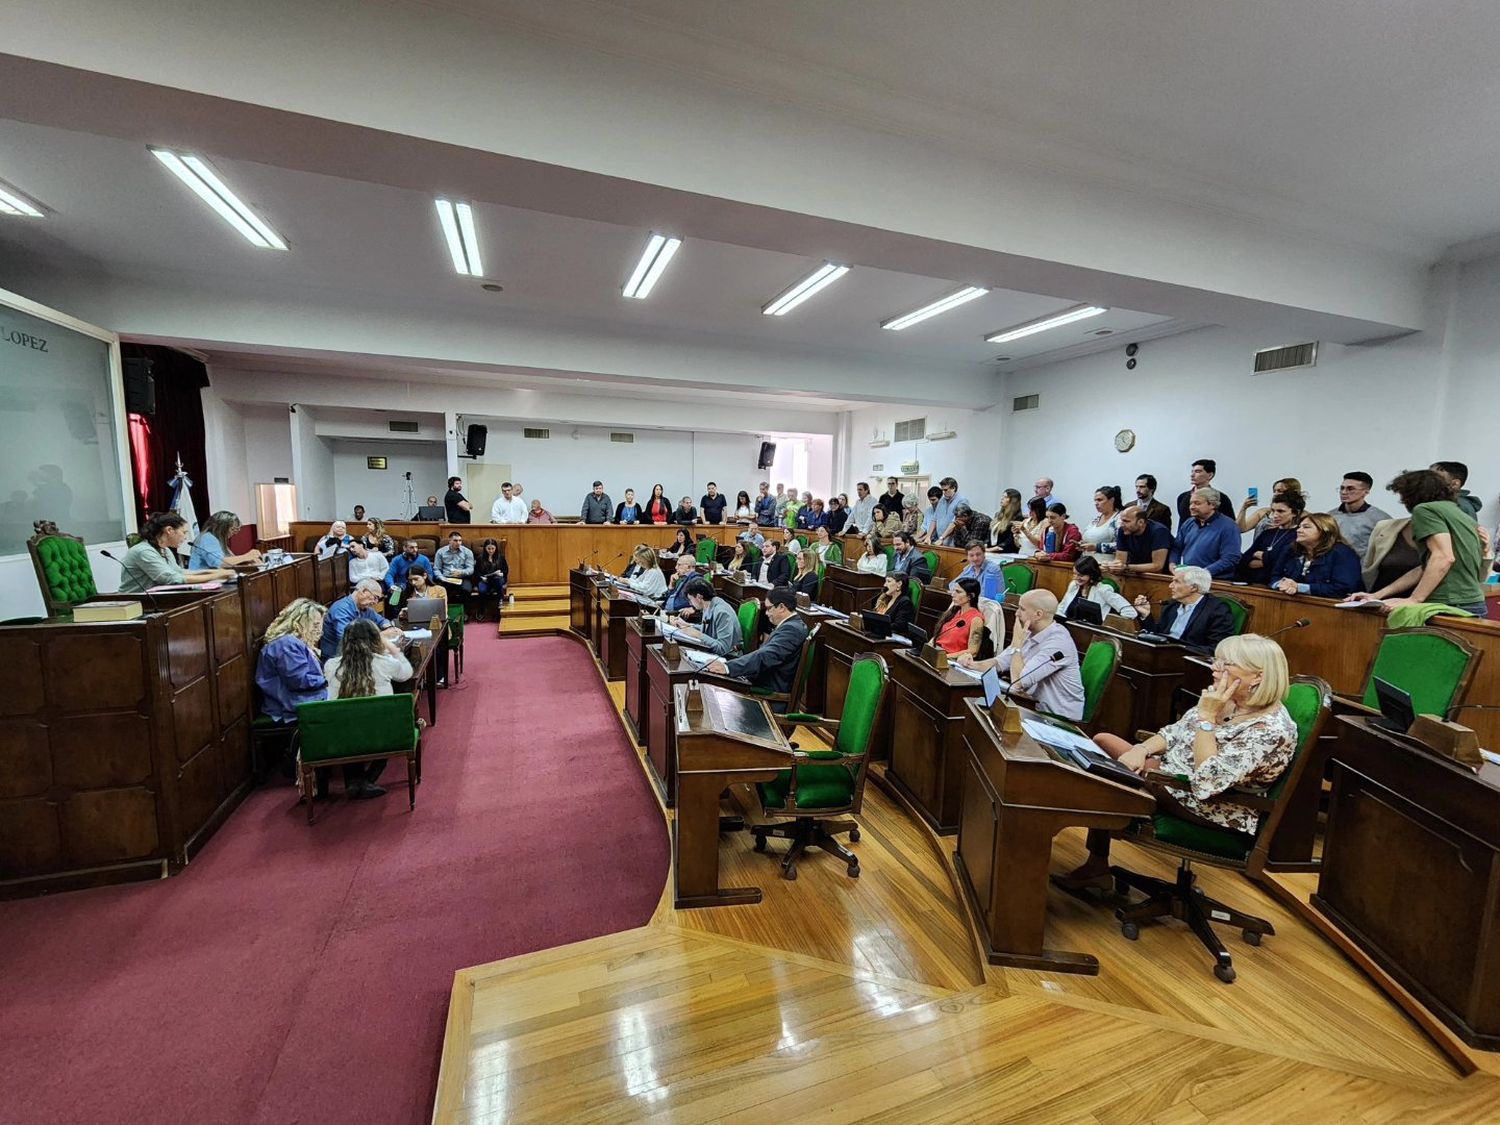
[(1005, 715), (933, 656), (804, 601), (648, 624), (856, 622), (1448, 740), (1120, 624), (693, 698), (738, 577), (670, 652)]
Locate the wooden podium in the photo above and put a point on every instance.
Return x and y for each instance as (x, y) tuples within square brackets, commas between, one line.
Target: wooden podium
[(1017, 795), (732, 739)]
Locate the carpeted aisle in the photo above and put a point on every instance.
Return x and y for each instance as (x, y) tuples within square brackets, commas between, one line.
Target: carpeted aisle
[(298, 974)]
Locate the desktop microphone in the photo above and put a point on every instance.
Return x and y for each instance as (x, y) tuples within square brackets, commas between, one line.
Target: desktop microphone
[(1300, 623), (150, 597)]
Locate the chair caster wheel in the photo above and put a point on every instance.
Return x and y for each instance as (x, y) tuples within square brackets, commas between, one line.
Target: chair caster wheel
[(789, 874), (1224, 972), (854, 871), (1122, 888), (854, 835), (760, 843), (1130, 930), (1252, 937)]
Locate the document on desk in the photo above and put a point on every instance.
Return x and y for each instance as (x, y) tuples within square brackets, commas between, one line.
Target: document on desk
[(417, 634), (698, 656), (972, 673), (1057, 736)]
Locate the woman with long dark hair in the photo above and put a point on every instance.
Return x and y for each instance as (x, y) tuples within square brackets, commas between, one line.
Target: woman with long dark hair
[(154, 560), (658, 509), (961, 628), (491, 576), (367, 664)]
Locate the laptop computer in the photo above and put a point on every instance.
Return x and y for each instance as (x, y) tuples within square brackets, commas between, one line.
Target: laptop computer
[(1397, 712), (431, 512), (1085, 612), (419, 611)]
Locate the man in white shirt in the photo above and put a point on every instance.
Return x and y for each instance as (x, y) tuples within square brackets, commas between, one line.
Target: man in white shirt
[(508, 507), (365, 563), (862, 514)]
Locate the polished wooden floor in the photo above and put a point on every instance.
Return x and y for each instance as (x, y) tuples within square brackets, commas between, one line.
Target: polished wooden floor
[(841, 999)]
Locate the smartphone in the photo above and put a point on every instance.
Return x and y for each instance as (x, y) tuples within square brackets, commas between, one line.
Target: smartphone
[(1254, 495)]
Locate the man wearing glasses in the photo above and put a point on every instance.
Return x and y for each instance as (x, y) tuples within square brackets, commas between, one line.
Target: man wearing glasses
[(1356, 518)]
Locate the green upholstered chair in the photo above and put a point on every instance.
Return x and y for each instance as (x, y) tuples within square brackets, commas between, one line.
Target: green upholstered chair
[(802, 540), (456, 640), (1239, 610), (363, 729), (890, 557), (752, 559), (63, 571), (1309, 701), (1019, 578), (914, 592), (823, 785), (790, 701), (749, 615), (1097, 670), (1106, 580), (932, 562), (705, 550), (1433, 666)]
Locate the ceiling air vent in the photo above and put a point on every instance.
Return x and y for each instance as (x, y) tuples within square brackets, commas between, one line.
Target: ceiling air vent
[(528, 432), (405, 427), (624, 439), (1286, 359), (913, 429), (1025, 402)]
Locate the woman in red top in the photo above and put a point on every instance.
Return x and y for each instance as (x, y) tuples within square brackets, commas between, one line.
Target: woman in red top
[(961, 627), (1067, 540), (658, 511)]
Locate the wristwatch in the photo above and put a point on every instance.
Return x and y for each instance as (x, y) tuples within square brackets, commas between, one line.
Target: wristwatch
[(1207, 727)]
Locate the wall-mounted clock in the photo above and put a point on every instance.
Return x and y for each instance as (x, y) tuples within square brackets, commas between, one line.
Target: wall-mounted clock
[(1125, 441)]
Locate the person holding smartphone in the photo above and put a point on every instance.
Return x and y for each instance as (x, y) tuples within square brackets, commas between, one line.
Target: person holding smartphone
[(1254, 518)]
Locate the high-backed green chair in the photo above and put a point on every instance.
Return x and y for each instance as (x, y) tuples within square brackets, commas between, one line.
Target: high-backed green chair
[(749, 615), (932, 562), (456, 640), (790, 702), (826, 784), (1097, 670), (1019, 578), (890, 557), (705, 550), (344, 732), (1308, 700), (752, 559), (1433, 666), (914, 591), (62, 571), (1239, 610), (1106, 580)]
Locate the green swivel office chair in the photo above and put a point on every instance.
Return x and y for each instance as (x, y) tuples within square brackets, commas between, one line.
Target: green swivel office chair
[(914, 592), (363, 729), (1106, 580), (1309, 701), (62, 571), (826, 784)]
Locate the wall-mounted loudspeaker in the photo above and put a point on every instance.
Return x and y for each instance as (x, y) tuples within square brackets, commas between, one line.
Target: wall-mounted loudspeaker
[(767, 455), (140, 387), (474, 440)]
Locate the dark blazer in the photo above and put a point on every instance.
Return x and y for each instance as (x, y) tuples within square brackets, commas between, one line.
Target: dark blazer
[(1162, 514), (1334, 575), (1225, 505), (807, 584), (774, 664), (779, 570), (901, 614), (915, 566), (1211, 622)]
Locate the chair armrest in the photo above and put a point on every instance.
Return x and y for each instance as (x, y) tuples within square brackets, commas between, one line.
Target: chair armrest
[(1348, 704), (1168, 780)]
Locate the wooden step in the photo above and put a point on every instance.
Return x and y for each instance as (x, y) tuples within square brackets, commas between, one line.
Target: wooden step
[(530, 607), (514, 625)]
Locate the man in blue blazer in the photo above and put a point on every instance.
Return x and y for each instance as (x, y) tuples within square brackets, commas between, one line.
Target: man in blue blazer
[(1192, 615)]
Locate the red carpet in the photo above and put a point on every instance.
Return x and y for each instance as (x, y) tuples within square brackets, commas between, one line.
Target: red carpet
[(297, 974)]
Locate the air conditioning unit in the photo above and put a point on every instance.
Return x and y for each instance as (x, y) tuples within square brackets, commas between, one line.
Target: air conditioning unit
[(911, 468)]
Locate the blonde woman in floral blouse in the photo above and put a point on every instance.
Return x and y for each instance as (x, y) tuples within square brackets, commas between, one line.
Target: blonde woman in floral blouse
[(1238, 734)]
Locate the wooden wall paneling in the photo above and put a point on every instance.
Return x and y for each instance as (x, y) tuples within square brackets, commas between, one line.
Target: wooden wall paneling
[(303, 575)]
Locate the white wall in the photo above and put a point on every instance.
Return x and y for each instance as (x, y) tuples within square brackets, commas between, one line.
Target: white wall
[(268, 443), (383, 491), (1466, 425), (312, 468), (972, 457)]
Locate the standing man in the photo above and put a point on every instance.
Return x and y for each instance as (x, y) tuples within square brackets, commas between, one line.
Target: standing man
[(597, 506), (862, 514), (1450, 552), (1356, 518), (712, 505), (1151, 508), (455, 569), (1043, 488), (1208, 538), (1141, 546), (968, 525), (891, 500), (455, 502), (781, 502), (765, 506), (1202, 476), (1456, 473), (508, 506), (685, 514), (947, 504)]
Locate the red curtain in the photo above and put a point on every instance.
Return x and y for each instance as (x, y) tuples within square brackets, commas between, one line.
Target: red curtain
[(140, 463), (176, 429)]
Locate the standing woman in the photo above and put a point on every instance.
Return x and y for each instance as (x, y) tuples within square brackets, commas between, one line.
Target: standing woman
[(491, 576), (1101, 531), (961, 628), (1258, 564), (627, 510), (1321, 563), (154, 560), (367, 664), (1062, 539), (658, 510), (895, 602), (1003, 523), (743, 513), (1031, 532), (213, 540), (1260, 519)]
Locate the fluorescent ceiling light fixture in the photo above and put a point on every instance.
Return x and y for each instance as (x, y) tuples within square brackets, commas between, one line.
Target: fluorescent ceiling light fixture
[(462, 238), (821, 278), (207, 186), (942, 305), (14, 203), (653, 263), (1082, 312)]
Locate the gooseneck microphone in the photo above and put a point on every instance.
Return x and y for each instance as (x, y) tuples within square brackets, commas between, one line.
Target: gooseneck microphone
[(1300, 623), (1056, 658), (145, 592)]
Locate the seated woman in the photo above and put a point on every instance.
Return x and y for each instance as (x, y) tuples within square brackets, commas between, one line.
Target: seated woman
[(1258, 564), (367, 664), (335, 539), (822, 541), (288, 671), (420, 584), (1086, 585), (895, 603), (1238, 734), (627, 510), (491, 576), (807, 579), (213, 541), (154, 560), (1031, 532), (648, 580), (961, 628), (1259, 519), (377, 538), (683, 543), (1321, 563), (1062, 541), (873, 561)]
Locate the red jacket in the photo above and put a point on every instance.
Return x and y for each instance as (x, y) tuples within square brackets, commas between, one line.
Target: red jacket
[(1069, 549)]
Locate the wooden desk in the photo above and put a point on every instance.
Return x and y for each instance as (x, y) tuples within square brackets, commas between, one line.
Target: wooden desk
[(1141, 696), (737, 593), (293, 580), (613, 609), (846, 589), (580, 601), (926, 740), (662, 680), (331, 577), (641, 634), (734, 738), (1411, 872), (1017, 795), (427, 658)]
